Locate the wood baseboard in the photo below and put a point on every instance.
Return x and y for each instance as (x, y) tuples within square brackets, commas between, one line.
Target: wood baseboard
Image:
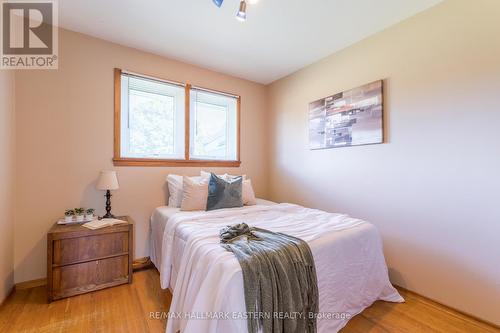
[(142, 263), (30, 284), (9, 295), (448, 309), (137, 264)]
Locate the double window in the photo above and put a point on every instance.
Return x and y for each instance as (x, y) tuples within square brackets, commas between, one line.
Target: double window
[(159, 122)]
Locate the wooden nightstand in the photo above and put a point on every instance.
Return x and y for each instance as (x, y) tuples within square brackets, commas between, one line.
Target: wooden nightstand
[(80, 260)]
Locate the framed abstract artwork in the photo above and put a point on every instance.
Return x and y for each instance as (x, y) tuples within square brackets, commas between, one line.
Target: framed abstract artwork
[(350, 118)]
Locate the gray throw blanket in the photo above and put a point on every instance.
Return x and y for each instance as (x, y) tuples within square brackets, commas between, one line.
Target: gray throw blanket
[(279, 276)]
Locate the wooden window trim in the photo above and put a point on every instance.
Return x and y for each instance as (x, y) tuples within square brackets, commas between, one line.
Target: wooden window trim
[(187, 161)]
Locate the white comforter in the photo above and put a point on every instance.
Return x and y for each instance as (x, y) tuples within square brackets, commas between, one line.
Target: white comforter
[(207, 281)]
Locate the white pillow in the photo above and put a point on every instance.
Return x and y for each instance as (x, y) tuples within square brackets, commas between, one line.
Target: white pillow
[(174, 183), (194, 195), (247, 193)]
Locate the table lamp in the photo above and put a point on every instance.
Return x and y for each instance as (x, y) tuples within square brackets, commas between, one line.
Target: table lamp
[(107, 182)]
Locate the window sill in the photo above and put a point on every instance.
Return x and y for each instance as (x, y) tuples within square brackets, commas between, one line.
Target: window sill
[(173, 163)]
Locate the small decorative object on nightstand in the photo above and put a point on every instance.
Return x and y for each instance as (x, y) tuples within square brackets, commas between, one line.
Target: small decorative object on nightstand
[(80, 260), (80, 217), (69, 215), (89, 214), (108, 182)]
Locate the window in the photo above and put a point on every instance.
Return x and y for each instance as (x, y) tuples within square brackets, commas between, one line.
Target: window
[(151, 117), (213, 126)]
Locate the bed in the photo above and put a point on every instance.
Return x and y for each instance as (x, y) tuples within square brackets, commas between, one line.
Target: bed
[(207, 282)]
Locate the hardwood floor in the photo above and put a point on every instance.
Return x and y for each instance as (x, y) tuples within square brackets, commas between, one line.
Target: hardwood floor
[(128, 308)]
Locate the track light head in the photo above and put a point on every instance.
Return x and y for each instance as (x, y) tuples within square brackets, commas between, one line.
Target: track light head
[(242, 12)]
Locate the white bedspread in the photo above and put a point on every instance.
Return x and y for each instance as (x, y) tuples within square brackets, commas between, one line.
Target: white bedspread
[(207, 281)]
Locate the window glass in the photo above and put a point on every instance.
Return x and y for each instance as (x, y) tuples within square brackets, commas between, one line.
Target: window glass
[(152, 119), (213, 119)]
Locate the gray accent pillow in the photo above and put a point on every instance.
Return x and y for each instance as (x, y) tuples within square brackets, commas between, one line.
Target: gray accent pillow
[(224, 193)]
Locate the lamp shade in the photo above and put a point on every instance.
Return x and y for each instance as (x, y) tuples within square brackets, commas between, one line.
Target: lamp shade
[(107, 181)]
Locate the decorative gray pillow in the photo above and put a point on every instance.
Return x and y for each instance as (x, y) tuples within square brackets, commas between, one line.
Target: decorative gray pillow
[(224, 193)]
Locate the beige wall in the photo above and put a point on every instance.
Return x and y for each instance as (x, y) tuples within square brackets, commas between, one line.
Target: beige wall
[(432, 189), (7, 157), (65, 137)]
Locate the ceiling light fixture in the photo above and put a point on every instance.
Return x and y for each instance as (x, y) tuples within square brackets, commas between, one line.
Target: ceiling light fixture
[(241, 15), (242, 12)]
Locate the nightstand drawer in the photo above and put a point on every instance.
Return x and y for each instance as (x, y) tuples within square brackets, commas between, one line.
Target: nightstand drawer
[(76, 250), (93, 275)]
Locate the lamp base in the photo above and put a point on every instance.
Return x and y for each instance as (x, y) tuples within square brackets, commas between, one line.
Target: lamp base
[(108, 206)]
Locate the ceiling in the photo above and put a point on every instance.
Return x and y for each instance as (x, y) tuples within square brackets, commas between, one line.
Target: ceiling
[(278, 38)]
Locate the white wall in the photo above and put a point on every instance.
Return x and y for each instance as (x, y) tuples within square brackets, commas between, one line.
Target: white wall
[(432, 188), (6, 183)]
